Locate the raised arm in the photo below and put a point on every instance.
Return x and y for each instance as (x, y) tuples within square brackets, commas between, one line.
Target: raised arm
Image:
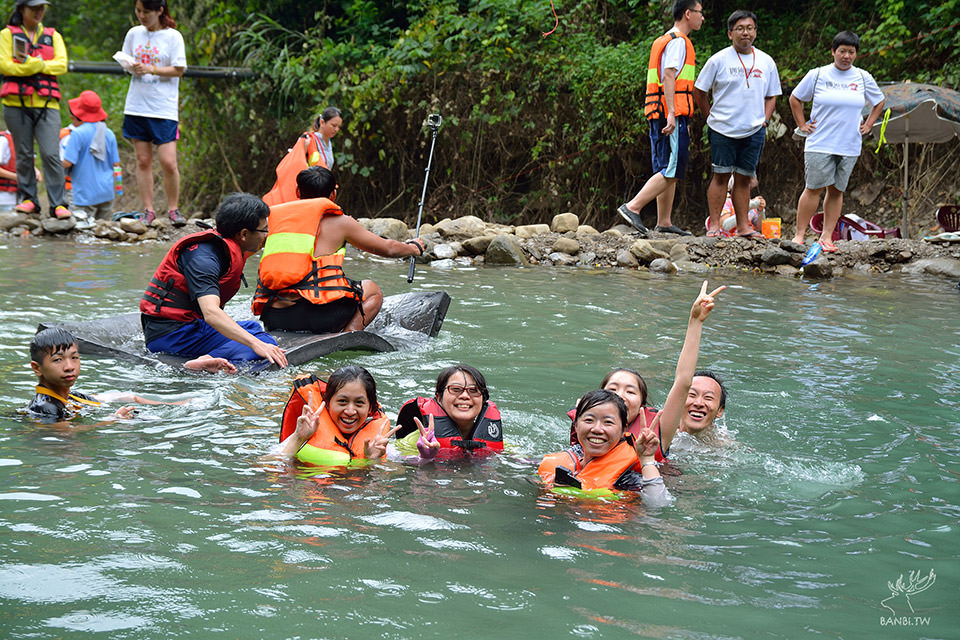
[(365, 240), (686, 366)]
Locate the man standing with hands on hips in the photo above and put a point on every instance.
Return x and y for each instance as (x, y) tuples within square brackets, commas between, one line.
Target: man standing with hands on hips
[(745, 85), (668, 107)]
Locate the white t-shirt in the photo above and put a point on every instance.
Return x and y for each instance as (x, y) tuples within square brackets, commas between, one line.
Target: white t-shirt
[(674, 54), (740, 83), (8, 199), (838, 100), (150, 95)]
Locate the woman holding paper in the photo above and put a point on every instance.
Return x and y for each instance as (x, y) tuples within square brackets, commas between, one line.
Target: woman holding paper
[(151, 112)]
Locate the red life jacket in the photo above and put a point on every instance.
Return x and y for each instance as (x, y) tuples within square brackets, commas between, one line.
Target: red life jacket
[(9, 184), (633, 429), (486, 437), (167, 295), (44, 85), (328, 445), (599, 473)]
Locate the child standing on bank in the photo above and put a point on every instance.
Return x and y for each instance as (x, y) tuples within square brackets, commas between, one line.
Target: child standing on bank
[(89, 158), (55, 358)]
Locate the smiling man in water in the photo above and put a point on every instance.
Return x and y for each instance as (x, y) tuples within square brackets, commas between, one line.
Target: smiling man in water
[(705, 403)]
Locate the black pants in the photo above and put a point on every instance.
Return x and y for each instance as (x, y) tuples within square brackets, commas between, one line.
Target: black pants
[(305, 316)]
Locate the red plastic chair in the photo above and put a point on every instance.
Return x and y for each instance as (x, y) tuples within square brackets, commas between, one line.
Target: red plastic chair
[(948, 217), (840, 232), (845, 225)]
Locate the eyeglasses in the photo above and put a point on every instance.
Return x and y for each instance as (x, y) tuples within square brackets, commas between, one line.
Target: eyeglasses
[(744, 29), (700, 11), (457, 390), (262, 230)]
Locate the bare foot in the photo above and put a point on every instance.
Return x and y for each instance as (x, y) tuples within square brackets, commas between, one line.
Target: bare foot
[(210, 364)]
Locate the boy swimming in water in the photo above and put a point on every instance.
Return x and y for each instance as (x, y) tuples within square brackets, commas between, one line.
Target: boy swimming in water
[(55, 358)]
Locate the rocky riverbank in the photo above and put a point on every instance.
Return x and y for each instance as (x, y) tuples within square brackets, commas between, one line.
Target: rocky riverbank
[(565, 242)]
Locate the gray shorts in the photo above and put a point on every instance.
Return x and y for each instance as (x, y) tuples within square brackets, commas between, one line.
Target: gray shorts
[(826, 169)]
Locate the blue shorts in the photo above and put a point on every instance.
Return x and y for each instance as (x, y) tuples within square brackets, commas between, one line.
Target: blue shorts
[(198, 338), (155, 130), (669, 153), (740, 155)]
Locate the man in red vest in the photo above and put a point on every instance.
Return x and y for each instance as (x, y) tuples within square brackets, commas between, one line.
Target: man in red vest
[(671, 72), (182, 308)]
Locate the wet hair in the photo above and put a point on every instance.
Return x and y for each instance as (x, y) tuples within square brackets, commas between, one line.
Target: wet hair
[(327, 115), (444, 376), (739, 15), (641, 383), (597, 397), (680, 7), (348, 374), (703, 373), (240, 211), (50, 341), (166, 20), (316, 182), (848, 38)]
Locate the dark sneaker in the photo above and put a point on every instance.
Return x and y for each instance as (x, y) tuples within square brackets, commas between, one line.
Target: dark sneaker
[(633, 219), (176, 218), (149, 215), (672, 229)]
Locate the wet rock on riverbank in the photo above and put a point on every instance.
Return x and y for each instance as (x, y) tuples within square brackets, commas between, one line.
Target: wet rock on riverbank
[(565, 242)]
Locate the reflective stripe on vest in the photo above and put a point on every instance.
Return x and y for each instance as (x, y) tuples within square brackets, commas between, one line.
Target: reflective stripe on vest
[(44, 85), (655, 105)]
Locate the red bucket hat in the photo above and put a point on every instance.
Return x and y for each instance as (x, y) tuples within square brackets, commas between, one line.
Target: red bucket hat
[(87, 107)]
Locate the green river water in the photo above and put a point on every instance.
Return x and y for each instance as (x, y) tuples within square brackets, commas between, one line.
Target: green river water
[(840, 474)]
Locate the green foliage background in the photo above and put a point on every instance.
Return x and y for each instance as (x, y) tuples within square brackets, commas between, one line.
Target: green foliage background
[(533, 124)]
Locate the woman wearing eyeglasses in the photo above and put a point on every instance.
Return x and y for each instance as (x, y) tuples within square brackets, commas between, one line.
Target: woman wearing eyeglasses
[(460, 421)]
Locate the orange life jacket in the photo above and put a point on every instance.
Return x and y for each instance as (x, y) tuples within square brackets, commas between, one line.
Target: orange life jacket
[(9, 184), (44, 85), (599, 473), (306, 152), (167, 295), (288, 265), (329, 445), (656, 106)]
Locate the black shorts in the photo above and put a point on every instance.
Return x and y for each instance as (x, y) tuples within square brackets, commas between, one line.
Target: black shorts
[(305, 316)]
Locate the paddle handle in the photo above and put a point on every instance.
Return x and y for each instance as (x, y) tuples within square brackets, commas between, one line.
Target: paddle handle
[(413, 267), (433, 121)]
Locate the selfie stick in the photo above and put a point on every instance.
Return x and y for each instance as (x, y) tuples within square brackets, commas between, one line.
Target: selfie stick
[(433, 121)]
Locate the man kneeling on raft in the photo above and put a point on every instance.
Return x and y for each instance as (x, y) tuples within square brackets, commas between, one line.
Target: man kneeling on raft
[(301, 284), (182, 308)]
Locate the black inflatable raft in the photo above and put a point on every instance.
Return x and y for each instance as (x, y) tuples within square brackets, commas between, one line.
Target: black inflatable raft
[(404, 321)]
